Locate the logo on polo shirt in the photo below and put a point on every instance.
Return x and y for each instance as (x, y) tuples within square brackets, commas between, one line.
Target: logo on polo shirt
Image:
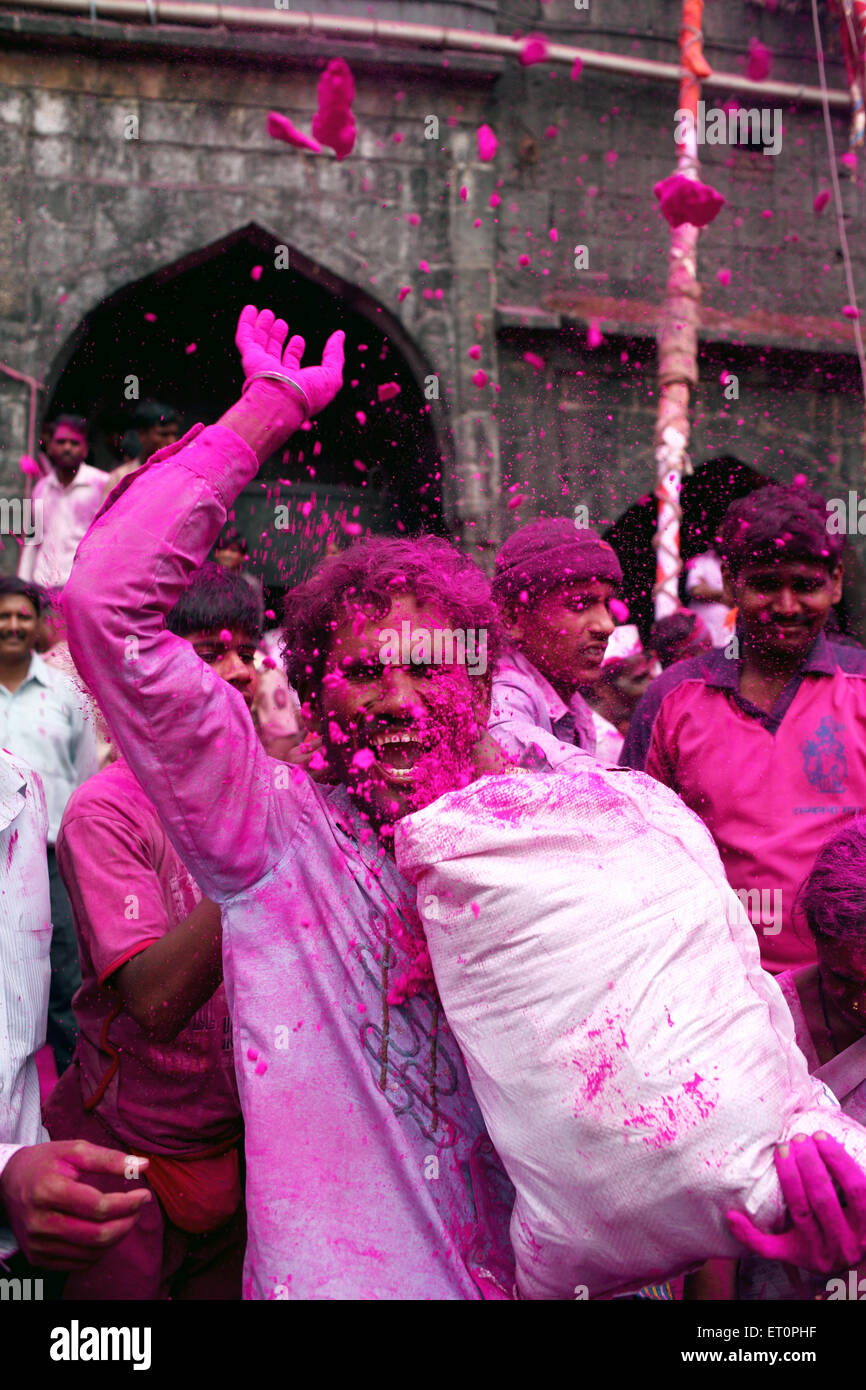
[(824, 761)]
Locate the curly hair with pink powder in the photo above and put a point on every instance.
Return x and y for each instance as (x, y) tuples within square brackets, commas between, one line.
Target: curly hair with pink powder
[(367, 576), (833, 897)]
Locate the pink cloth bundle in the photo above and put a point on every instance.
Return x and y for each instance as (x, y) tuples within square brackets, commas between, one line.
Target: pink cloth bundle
[(333, 123)]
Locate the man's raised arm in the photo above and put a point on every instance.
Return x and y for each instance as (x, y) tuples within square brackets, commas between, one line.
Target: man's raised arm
[(186, 734)]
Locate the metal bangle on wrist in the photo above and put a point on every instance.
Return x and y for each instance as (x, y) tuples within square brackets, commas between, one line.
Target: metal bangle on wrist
[(288, 380)]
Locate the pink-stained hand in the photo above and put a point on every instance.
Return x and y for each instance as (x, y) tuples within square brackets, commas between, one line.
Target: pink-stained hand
[(59, 1220), (261, 341), (824, 1236)]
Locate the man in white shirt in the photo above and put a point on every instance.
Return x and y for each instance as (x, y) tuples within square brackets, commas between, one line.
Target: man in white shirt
[(706, 596), (68, 497), (58, 1220), (42, 720)]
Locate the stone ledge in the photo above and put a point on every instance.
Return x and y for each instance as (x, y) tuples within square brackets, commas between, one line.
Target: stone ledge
[(242, 48), (526, 316)]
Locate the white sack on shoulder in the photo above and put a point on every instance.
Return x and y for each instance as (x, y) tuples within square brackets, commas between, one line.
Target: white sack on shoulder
[(634, 1064)]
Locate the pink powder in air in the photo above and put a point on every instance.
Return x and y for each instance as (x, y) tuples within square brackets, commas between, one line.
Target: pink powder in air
[(479, 378), (576, 69), (723, 276), (252, 1054), (849, 160), (474, 352), (225, 635), (334, 123), (760, 61), (534, 360), (850, 311), (29, 466), (464, 194), (412, 218), (487, 144), (190, 349), (402, 293), (364, 758), (619, 610), (821, 200), (494, 200), (682, 199), (151, 318), (594, 336), (256, 272), (387, 391), (524, 259), (533, 51), (281, 128), (424, 266), (261, 1068)]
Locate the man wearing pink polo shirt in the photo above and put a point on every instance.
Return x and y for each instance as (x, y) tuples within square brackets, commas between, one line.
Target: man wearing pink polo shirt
[(767, 744), (153, 1072)]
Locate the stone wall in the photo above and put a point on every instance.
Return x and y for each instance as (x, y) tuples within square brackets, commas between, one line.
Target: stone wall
[(87, 210)]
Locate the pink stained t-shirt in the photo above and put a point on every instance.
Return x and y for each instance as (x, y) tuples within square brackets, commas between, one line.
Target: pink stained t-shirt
[(769, 786), (369, 1172), (128, 888)]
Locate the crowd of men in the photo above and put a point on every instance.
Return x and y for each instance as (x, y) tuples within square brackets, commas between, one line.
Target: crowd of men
[(196, 852)]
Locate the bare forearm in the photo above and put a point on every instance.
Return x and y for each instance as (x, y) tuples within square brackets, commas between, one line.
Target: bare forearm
[(163, 986)]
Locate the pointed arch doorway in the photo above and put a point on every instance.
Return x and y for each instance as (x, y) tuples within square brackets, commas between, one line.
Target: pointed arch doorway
[(363, 466)]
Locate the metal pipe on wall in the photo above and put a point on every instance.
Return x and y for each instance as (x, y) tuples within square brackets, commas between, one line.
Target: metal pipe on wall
[(421, 35)]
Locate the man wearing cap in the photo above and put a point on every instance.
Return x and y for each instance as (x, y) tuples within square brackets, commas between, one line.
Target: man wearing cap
[(553, 584)]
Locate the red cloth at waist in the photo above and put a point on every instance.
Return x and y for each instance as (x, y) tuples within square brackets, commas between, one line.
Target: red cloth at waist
[(197, 1194)]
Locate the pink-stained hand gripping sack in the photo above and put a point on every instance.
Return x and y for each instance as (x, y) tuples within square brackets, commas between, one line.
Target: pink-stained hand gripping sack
[(634, 1064)]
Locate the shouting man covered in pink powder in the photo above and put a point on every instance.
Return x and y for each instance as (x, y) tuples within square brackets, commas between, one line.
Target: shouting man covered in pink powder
[(369, 1170), (369, 1173)]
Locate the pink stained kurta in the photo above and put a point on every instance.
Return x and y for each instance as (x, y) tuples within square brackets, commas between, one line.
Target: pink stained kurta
[(369, 1174)]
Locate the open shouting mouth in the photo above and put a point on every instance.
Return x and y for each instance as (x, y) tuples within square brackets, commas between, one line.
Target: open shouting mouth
[(396, 752)]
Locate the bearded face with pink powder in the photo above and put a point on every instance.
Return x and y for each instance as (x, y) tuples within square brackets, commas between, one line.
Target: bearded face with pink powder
[(396, 733)]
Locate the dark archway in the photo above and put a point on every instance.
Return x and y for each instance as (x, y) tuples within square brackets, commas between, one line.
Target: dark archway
[(706, 495), (343, 474)]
